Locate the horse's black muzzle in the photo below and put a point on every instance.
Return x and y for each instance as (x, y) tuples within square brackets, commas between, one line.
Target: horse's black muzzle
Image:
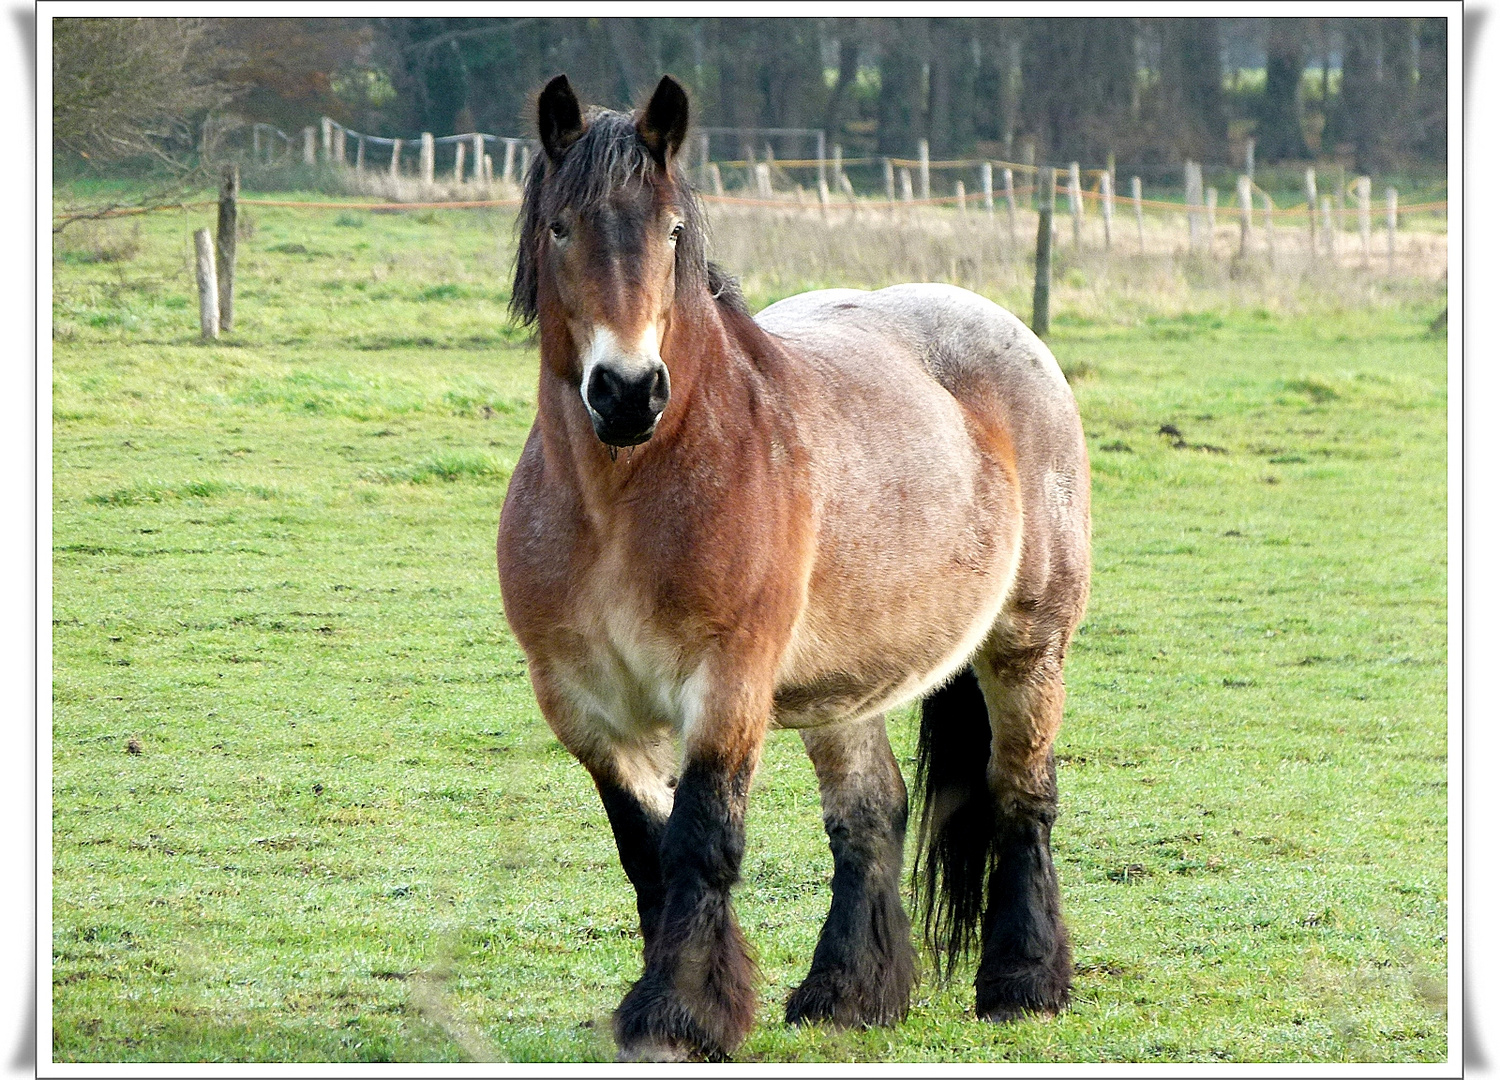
[(625, 403)]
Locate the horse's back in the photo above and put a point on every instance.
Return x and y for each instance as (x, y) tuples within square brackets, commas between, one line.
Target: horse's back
[(981, 354), (958, 336)]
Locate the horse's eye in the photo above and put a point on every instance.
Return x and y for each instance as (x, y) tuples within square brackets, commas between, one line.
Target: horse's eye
[(558, 230), (676, 232)]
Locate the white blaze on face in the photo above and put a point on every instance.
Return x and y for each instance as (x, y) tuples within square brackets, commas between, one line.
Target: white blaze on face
[(605, 348)]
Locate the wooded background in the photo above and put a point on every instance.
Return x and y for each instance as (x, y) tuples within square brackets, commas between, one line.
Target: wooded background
[(1149, 91)]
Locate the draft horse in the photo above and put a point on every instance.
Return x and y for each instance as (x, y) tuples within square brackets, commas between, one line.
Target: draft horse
[(724, 523)]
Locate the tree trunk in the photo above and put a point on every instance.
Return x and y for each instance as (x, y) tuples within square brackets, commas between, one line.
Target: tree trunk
[(1278, 135)]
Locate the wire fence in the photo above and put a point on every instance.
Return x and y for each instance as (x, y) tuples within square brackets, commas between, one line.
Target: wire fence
[(459, 172)]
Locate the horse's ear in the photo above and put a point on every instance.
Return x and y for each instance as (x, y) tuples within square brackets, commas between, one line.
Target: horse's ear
[(663, 125), (559, 120)]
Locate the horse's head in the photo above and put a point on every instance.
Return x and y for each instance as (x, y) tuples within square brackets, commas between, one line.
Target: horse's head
[(610, 232)]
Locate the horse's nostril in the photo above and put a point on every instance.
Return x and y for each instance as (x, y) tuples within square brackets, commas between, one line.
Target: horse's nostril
[(661, 389), (606, 388)]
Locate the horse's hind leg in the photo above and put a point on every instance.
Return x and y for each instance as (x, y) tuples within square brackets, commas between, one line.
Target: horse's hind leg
[(989, 799), (1025, 961), (864, 965)]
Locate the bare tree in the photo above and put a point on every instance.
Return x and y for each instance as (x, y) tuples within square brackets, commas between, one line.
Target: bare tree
[(127, 88)]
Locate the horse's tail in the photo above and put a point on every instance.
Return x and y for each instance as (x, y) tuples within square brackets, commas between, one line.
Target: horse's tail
[(956, 834)]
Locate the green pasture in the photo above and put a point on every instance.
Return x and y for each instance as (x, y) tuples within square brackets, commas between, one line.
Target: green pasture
[(304, 807)]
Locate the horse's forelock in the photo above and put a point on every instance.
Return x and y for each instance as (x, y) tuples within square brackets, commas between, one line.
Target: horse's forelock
[(608, 155)]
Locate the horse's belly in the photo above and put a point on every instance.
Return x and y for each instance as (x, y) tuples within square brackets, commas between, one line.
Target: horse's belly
[(847, 673), (919, 534), (884, 628)]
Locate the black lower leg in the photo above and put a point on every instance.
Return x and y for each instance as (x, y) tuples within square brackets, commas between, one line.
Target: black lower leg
[(1026, 963), (697, 994), (638, 834), (864, 965)]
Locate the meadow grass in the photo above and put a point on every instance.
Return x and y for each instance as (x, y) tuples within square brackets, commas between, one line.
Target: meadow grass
[(304, 807)]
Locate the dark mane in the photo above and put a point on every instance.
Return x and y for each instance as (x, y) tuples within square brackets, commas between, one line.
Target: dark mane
[(608, 155)]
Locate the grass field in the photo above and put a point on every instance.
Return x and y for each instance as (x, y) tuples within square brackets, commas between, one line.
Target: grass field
[(304, 807)]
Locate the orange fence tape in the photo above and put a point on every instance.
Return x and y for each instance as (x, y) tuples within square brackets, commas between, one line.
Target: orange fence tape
[(1121, 201)]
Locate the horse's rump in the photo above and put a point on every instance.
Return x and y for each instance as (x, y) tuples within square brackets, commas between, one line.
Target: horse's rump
[(932, 421)]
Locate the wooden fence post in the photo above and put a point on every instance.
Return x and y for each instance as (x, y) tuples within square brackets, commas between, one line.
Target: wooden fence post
[(1338, 216), (1390, 226), (1270, 230), (1041, 295), (1250, 159), (1242, 192), (763, 179), (906, 195), (1310, 189), (1192, 183), (890, 180), (1140, 216), (1010, 202), (229, 196), (987, 185), (924, 173), (716, 179), (838, 165), (822, 194), (1107, 206), (309, 146), (489, 171), (395, 157), (428, 158), (1362, 194), (963, 202), (1075, 203), (1211, 203), (341, 146), (478, 157), (327, 139), (1187, 200), (524, 165), (848, 189), (1328, 224), (458, 163), (359, 155), (208, 288), (510, 159)]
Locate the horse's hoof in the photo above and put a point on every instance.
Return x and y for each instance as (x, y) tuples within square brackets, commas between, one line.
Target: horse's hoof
[(1035, 994), (1011, 1014), (822, 1001), (653, 1024), (657, 1051), (812, 1003)]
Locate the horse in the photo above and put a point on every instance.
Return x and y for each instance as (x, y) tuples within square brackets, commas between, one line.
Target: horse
[(723, 524)]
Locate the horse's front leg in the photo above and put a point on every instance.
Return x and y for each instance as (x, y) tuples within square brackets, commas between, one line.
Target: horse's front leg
[(696, 997), (634, 787), (633, 777)]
